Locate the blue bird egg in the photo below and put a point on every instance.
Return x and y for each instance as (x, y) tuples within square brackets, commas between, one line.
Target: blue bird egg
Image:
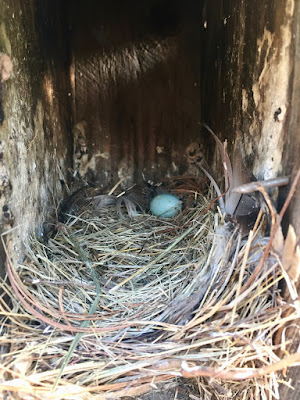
[(165, 205)]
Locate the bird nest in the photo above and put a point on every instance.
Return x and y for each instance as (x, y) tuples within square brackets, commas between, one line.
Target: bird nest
[(110, 307)]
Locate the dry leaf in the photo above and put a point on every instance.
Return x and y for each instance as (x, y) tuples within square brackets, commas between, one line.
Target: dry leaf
[(278, 241), (291, 255)]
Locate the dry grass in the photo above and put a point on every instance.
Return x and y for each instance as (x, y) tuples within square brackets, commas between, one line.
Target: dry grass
[(146, 300)]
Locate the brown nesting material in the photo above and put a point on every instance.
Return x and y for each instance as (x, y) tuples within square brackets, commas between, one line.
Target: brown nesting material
[(109, 307)]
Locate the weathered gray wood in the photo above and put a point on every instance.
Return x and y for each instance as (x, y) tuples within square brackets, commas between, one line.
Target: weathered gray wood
[(35, 135), (252, 67)]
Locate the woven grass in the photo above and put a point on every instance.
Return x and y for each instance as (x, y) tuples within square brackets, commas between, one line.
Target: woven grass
[(111, 307)]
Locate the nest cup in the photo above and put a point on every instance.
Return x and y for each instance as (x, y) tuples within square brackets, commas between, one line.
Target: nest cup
[(120, 304)]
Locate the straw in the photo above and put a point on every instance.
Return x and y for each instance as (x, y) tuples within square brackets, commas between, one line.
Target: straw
[(109, 307)]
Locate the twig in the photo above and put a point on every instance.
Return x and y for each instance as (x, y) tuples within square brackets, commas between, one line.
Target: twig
[(254, 186), (273, 231), (290, 194)]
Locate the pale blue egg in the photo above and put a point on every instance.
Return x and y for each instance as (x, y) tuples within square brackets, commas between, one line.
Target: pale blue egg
[(165, 205)]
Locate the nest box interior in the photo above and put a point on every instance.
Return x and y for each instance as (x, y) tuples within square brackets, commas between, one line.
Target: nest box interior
[(108, 90), (111, 90)]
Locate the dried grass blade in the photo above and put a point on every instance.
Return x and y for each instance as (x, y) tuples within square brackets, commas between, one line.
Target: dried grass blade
[(92, 309)]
